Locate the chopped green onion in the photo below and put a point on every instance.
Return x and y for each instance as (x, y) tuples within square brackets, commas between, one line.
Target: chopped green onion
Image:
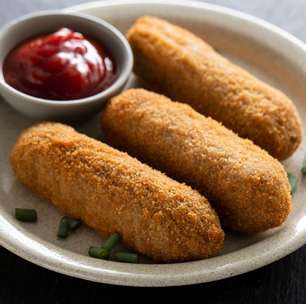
[(304, 166), (98, 252), (73, 224), (111, 242), (293, 182), (67, 225), (26, 215), (126, 257), (63, 229)]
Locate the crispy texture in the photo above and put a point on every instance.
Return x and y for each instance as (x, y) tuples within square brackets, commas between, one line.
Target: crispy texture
[(248, 188), (111, 191), (187, 69)]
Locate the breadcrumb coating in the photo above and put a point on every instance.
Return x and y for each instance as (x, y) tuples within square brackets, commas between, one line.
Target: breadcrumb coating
[(113, 192), (248, 188), (187, 69)]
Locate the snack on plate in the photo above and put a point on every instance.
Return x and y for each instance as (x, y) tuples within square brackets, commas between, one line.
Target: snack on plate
[(113, 192), (248, 188), (187, 69)]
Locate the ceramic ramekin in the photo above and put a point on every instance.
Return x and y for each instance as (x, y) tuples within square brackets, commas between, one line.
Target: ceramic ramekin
[(49, 21)]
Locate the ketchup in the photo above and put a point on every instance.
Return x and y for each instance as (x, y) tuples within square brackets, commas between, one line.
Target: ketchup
[(63, 65)]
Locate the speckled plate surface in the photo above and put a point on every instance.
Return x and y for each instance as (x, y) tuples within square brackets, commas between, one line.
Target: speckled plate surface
[(270, 53)]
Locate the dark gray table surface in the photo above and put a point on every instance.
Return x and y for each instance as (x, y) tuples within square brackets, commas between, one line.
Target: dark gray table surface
[(281, 282)]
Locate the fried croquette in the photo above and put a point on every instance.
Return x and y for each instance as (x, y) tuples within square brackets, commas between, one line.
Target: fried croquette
[(111, 191), (187, 69), (247, 187)]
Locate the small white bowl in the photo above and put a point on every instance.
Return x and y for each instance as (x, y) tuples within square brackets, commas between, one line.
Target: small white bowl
[(47, 22)]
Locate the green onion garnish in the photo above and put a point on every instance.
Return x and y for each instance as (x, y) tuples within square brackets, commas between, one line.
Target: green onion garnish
[(111, 242), (293, 182), (67, 225), (63, 229), (98, 252), (304, 166), (73, 224), (126, 257), (26, 215)]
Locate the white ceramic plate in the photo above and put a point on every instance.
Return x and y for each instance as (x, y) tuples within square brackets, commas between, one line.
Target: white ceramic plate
[(270, 53)]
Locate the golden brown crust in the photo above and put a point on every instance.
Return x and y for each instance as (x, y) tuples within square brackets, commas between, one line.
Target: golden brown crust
[(111, 191), (187, 69), (248, 187)]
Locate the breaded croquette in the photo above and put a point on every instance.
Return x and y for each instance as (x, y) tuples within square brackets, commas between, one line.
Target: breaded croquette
[(113, 192), (187, 69), (247, 187)]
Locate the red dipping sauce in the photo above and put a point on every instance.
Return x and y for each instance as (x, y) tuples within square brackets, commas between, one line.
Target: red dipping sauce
[(63, 65)]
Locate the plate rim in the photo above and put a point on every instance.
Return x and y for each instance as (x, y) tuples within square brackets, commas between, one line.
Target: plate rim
[(40, 252)]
